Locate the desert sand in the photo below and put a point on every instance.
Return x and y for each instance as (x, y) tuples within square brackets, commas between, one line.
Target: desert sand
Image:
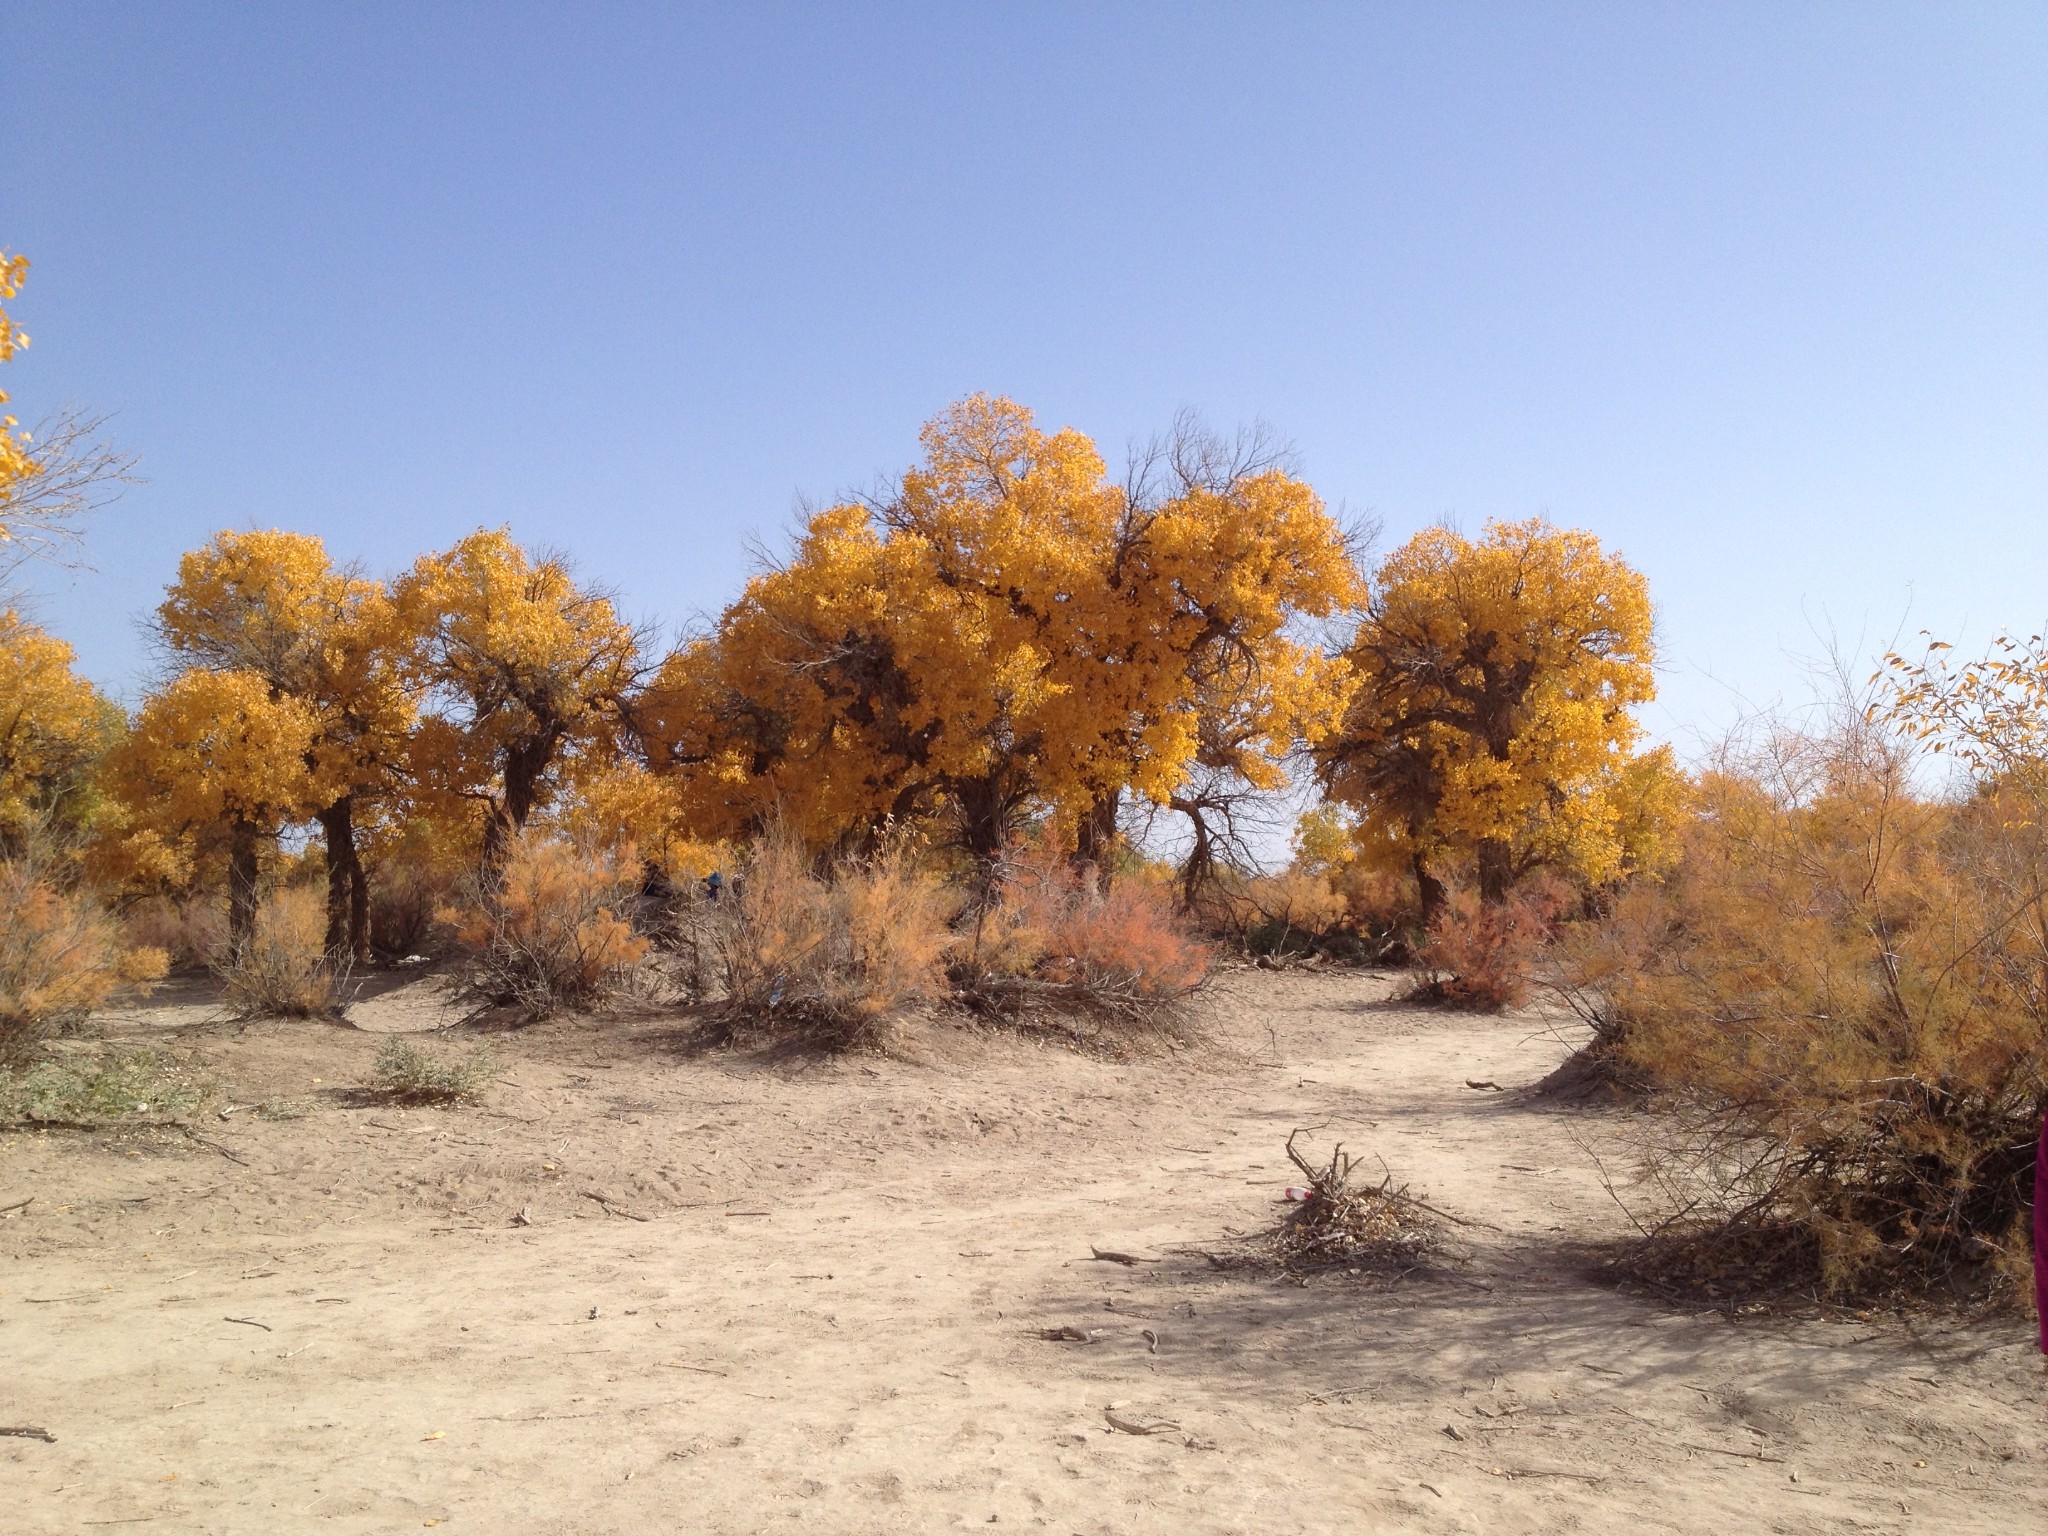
[(652, 1287)]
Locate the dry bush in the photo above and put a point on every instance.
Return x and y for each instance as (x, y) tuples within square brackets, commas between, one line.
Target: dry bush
[(407, 898), (1283, 914), (189, 930), (832, 957), (1484, 957), (1842, 990), (1346, 912), (286, 971), (1343, 1220), (1053, 940), (60, 957), (553, 936), (416, 1076), (1381, 908), (421, 870)]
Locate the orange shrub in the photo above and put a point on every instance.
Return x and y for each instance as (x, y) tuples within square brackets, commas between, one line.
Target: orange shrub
[(1283, 914), (1479, 956), (835, 956), (551, 937), (189, 930), (285, 970), (1841, 992), (60, 958)]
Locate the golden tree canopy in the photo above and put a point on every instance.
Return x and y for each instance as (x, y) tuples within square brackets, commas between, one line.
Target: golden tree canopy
[(54, 725), (272, 603), (217, 747), (1006, 630), (1496, 684), (520, 662)]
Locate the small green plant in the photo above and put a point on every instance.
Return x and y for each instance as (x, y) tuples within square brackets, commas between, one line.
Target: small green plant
[(125, 1089), (417, 1076)]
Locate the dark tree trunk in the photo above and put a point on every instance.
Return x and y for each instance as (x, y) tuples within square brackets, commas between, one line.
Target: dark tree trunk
[(1431, 891), (1199, 867), (359, 912), (348, 892), (1496, 870), (498, 833), (524, 766), (1095, 841), (984, 830), (242, 873)]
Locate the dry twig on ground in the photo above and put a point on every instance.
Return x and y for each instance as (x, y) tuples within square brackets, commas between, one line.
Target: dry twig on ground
[(1344, 1222)]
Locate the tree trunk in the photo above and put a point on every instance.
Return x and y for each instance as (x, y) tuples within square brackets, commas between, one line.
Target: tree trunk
[(524, 766), (242, 872), (348, 895), (498, 833), (1095, 840), (1496, 870), (1430, 889), (983, 833), (1199, 867), (359, 912)]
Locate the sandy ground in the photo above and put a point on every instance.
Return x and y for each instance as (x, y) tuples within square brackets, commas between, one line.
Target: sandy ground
[(762, 1292)]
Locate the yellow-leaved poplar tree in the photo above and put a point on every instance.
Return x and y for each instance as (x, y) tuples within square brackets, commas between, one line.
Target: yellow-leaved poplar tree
[(272, 604), (15, 464), (522, 665), (54, 727), (221, 757), (1006, 632), (1493, 717)]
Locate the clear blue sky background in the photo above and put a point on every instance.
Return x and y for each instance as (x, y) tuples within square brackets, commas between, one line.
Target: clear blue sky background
[(1757, 293)]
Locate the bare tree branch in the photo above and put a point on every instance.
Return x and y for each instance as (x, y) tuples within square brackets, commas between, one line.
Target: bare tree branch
[(42, 515)]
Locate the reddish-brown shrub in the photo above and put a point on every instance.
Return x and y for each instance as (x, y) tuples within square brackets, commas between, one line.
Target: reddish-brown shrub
[(1480, 956), (1053, 938)]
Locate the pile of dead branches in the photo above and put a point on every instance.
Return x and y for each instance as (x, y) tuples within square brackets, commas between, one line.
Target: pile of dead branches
[(1343, 1220)]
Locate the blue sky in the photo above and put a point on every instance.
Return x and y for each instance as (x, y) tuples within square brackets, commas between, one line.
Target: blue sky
[(1759, 294)]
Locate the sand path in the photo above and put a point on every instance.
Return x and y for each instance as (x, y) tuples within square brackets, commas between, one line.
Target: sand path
[(828, 1317)]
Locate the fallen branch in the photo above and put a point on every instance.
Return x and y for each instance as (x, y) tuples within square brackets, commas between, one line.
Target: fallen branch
[(28, 1432), (1111, 1256), (215, 1146), (609, 1208), (1132, 1426), (1718, 1450), (249, 1322)]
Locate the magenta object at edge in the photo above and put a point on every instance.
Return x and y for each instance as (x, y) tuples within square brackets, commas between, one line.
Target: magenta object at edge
[(2041, 1234)]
